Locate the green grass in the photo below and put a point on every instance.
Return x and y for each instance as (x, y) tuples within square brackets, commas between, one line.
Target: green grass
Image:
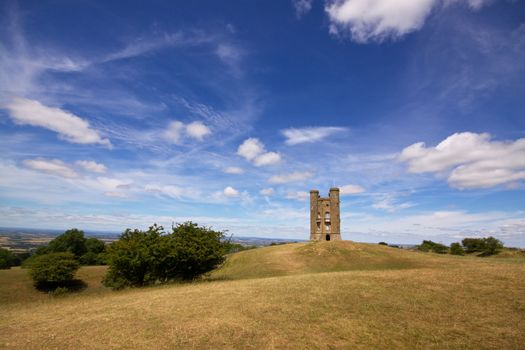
[(336, 295)]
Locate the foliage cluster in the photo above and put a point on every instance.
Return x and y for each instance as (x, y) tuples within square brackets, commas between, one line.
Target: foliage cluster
[(484, 246), (53, 270), (142, 258), (429, 246), (87, 251), (8, 258)]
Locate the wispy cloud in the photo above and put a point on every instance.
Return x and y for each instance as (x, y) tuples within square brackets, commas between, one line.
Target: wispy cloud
[(291, 177), (51, 166), (310, 134)]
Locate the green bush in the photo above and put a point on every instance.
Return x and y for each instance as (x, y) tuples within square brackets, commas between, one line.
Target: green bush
[(428, 246), (485, 246), (383, 243), (53, 270), (88, 251), (456, 249), (7, 259), (141, 258)]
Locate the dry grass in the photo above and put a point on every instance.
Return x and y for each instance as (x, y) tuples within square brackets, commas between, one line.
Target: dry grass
[(429, 302)]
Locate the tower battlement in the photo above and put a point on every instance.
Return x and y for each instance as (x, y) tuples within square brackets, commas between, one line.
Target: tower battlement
[(325, 222)]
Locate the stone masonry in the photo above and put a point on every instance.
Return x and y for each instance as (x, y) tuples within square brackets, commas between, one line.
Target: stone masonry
[(325, 222)]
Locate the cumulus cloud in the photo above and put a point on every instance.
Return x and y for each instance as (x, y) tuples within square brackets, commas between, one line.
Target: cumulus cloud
[(230, 192), (302, 7), (300, 196), (92, 166), (310, 134), (68, 126), (469, 160), (350, 189), (253, 150), (176, 131), (52, 167), (233, 170), (267, 158), (197, 130), (267, 192), (367, 20), (291, 177)]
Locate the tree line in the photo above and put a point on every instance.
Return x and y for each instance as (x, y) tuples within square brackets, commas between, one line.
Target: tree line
[(138, 258), (482, 246)]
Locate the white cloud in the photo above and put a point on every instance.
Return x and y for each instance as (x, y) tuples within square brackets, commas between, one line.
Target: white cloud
[(310, 134), (350, 189), (68, 126), (173, 133), (291, 177), (267, 192), (268, 158), (300, 196), (250, 148), (302, 7), (197, 130), (90, 165), (233, 170), (177, 130), (230, 192), (167, 190), (378, 20), (52, 166), (253, 150), (390, 204), (469, 160)]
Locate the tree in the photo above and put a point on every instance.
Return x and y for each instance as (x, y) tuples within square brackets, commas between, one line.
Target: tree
[(492, 246), (427, 246), (456, 249), (473, 245), (72, 240), (7, 259), (140, 258), (485, 246), (94, 252), (198, 250), (53, 270)]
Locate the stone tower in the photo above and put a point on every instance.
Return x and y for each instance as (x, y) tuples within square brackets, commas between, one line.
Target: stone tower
[(325, 222)]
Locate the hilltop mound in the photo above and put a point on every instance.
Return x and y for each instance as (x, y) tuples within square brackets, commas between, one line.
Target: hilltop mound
[(313, 257)]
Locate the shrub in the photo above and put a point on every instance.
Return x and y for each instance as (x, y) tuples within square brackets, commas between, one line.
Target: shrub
[(485, 246), (7, 259), (383, 243), (428, 246), (53, 270), (456, 249), (141, 258), (491, 246), (72, 241)]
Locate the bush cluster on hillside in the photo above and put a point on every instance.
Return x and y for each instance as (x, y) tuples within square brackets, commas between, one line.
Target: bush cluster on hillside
[(142, 258), (483, 246), (9, 258), (54, 265), (53, 270), (87, 251)]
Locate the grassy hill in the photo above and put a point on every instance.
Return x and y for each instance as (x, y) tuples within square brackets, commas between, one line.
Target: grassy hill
[(321, 295)]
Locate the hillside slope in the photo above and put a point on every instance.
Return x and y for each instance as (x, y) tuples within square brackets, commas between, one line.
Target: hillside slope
[(314, 257), (377, 297)]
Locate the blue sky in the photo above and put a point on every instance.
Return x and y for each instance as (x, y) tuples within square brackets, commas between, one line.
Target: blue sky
[(228, 113)]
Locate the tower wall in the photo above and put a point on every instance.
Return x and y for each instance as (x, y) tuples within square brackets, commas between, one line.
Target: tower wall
[(334, 214), (314, 200)]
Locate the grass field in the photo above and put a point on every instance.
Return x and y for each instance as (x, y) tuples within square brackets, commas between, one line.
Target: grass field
[(317, 296)]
